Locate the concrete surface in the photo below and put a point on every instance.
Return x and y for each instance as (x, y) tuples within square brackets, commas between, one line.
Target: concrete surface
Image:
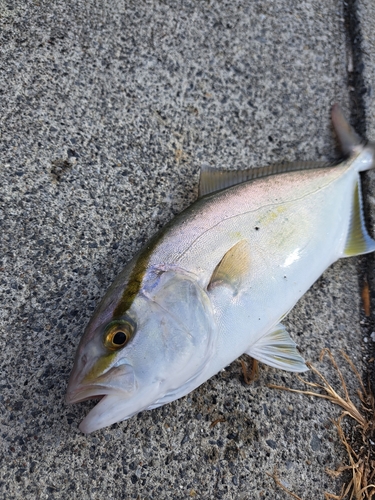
[(366, 82), (108, 109)]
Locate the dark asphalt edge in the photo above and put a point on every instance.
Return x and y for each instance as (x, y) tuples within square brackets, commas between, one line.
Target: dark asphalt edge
[(357, 92)]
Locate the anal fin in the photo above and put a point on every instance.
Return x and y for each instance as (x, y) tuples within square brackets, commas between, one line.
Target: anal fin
[(277, 349), (358, 241)]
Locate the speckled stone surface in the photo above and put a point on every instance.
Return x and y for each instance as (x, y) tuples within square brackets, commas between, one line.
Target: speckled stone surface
[(366, 72), (366, 13), (107, 111)]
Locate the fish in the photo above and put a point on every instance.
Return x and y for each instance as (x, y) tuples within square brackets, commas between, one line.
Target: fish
[(217, 281)]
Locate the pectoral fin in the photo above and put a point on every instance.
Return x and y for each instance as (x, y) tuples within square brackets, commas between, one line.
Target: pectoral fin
[(277, 349), (358, 241), (233, 267)]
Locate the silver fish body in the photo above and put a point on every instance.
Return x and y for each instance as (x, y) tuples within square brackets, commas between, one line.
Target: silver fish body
[(217, 281)]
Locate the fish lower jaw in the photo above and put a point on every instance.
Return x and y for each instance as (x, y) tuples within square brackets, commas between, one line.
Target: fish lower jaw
[(111, 408), (95, 420)]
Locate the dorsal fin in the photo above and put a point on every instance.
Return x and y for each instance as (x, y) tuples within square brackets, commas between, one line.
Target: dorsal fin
[(213, 179)]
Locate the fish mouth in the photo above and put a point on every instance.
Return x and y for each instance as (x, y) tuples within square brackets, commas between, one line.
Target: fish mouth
[(113, 389), (84, 395), (119, 381)]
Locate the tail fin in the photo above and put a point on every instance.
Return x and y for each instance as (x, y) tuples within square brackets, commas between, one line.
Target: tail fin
[(350, 141), (358, 241)]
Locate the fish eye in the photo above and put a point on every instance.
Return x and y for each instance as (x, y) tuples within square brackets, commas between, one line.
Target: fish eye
[(117, 334), (119, 338)]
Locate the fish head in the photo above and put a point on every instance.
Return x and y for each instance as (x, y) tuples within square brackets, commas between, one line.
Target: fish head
[(144, 352)]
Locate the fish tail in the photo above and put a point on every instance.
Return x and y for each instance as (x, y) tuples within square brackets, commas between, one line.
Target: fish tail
[(351, 143), (349, 140)]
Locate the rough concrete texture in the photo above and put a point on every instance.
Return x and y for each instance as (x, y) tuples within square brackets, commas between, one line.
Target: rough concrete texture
[(366, 38), (108, 110), (365, 81)]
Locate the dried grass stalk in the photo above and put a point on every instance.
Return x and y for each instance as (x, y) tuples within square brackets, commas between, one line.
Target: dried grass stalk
[(362, 466)]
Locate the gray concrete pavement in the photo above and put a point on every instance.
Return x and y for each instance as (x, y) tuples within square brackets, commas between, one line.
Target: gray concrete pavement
[(107, 111)]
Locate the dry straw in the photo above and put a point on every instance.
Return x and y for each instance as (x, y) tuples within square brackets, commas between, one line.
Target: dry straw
[(361, 463)]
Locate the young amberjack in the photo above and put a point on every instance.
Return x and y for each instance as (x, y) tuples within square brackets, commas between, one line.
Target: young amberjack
[(217, 280)]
